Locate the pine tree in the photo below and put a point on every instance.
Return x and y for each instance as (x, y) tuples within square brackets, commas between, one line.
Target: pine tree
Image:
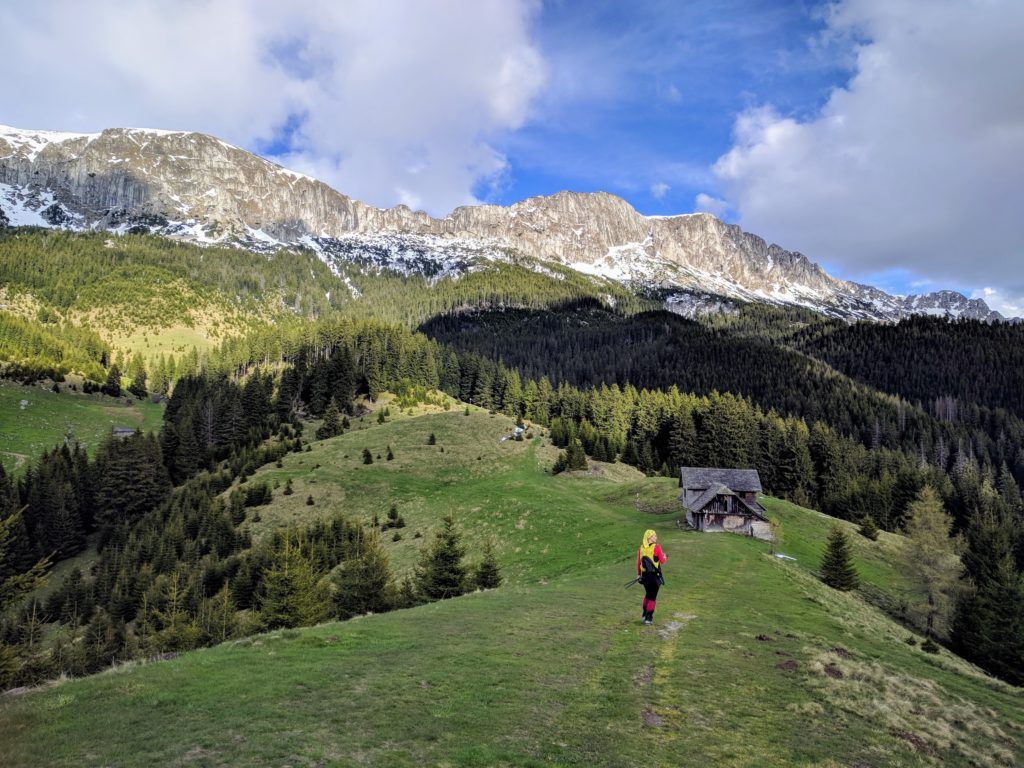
[(367, 456), (391, 454), (987, 626), (488, 573), (176, 628), (930, 561), (837, 568), (432, 439), (288, 490), (218, 618), (868, 529), (332, 422), (575, 458), (113, 384), (138, 385), (291, 594), (363, 583), (440, 573)]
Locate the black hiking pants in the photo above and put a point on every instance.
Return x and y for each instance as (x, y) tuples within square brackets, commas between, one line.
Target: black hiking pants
[(652, 583)]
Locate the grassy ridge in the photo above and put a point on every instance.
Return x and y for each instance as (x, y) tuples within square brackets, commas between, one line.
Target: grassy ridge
[(49, 417), (752, 661)]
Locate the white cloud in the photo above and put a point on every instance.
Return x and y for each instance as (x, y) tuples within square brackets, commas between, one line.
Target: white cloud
[(387, 101), (1001, 301), (659, 190), (708, 204), (917, 162)]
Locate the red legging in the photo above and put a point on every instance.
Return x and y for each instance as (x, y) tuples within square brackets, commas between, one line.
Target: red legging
[(651, 586)]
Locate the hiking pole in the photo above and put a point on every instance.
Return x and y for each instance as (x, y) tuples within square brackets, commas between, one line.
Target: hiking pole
[(634, 581)]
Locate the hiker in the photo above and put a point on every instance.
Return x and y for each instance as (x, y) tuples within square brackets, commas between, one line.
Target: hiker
[(649, 559)]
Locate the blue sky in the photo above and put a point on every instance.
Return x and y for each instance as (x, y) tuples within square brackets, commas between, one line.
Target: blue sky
[(884, 139), (646, 94)]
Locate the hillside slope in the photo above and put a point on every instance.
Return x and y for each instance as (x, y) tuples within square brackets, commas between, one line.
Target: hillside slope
[(751, 662)]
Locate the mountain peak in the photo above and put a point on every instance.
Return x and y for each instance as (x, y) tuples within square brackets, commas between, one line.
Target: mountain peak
[(193, 185)]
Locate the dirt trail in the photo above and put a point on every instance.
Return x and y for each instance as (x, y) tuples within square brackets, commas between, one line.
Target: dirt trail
[(19, 458)]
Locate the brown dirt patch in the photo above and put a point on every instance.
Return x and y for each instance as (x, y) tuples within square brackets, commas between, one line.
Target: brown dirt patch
[(841, 652), (647, 675), (786, 666), (833, 671), (763, 638), (651, 719)]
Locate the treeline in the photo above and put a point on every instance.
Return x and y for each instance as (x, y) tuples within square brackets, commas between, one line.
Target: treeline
[(130, 282), (412, 299), (586, 344)]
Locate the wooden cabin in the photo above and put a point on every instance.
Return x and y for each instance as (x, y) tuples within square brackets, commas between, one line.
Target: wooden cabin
[(723, 500)]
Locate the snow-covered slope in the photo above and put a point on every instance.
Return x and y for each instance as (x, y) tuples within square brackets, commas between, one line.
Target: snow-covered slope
[(194, 186)]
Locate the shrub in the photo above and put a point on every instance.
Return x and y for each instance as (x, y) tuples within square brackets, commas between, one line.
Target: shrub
[(868, 529)]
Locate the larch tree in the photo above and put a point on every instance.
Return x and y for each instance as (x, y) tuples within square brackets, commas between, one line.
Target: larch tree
[(931, 563)]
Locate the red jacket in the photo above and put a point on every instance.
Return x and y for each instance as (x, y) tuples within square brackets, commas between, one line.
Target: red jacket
[(659, 559)]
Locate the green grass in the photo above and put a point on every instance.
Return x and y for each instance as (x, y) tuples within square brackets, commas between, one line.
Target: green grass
[(752, 661), (49, 417)]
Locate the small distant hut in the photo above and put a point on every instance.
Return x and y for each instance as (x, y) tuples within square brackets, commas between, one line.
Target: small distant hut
[(723, 500)]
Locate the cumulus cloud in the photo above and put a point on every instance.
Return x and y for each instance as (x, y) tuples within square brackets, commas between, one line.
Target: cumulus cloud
[(659, 189), (708, 204), (388, 102), (918, 161)]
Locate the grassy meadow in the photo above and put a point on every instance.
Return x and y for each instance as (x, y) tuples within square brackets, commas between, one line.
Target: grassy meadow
[(751, 661), (49, 417)]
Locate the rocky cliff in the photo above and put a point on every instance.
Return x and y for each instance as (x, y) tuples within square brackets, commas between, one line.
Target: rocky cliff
[(196, 186)]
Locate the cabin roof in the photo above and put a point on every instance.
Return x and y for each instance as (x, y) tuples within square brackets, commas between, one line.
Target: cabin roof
[(701, 501), (700, 478)]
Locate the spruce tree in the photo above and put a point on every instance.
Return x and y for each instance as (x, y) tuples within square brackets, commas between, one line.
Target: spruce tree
[(868, 529), (488, 572), (440, 573), (291, 594), (391, 454), (332, 422), (363, 583), (837, 568), (367, 456), (113, 384), (432, 439), (138, 385)]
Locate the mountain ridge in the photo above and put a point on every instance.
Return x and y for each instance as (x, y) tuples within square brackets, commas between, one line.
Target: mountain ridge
[(195, 186)]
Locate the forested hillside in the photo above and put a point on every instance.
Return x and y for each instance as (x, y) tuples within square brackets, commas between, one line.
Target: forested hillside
[(948, 365), (175, 564), (586, 344)]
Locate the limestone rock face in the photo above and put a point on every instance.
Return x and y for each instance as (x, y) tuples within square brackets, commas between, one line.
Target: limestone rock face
[(193, 185)]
